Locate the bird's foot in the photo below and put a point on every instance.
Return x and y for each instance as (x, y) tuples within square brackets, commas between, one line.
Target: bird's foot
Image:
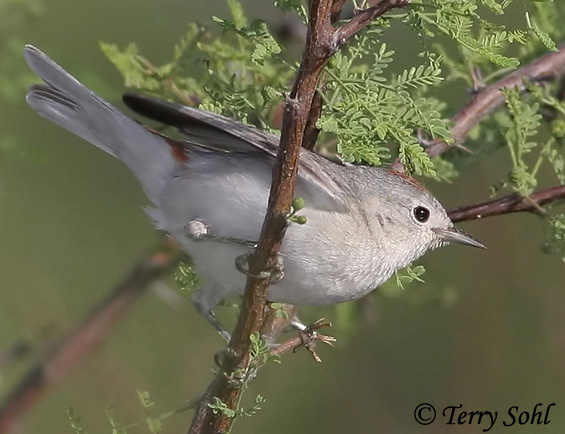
[(308, 337), (275, 273)]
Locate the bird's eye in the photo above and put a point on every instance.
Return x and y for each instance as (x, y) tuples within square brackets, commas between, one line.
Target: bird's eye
[(422, 214)]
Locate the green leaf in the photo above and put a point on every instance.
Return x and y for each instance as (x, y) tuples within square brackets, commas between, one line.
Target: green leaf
[(542, 36), (556, 159), (494, 6), (237, 13), (293, 5), (128, 62), (218, 406), (116, 426), (258, 34), (556, 236), (75, 421), (186, 279), (145, 399), (280, 309), (525, 122), (409, 274)]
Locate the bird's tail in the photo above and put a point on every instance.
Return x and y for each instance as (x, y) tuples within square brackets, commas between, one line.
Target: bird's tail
[(68, 103)]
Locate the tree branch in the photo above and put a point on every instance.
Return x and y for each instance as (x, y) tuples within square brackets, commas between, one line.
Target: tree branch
[(295, 117), (337, 8), (322, 42), (311, 131), (363, 18), (84, 339), (508, 204), (550, 66)]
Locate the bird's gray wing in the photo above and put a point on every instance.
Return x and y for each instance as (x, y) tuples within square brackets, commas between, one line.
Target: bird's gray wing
[(221, 133)]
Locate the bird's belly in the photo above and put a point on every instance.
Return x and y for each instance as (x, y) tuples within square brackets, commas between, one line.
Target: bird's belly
[(302, 286), (322, 264), (311, 277)]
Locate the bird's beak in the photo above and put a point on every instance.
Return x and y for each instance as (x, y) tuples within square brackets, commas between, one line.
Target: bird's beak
[(454, 235)]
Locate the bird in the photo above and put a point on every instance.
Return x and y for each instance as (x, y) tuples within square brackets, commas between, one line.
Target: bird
[(209, 192)]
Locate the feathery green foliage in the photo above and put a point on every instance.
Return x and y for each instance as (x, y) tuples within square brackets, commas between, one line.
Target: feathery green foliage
[(75, 422), (242, 73), (153, 423), (409, 274), (525, 123), (186, 279), (529, 150), (111, 416), (260, 354), (367, 110), (373, 113), (556, 236)]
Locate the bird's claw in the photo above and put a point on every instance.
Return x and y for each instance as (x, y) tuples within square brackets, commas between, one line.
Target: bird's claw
[(310, 337), (275, 273)]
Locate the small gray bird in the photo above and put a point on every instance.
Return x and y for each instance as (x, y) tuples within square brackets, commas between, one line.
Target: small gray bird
[(210, 192)]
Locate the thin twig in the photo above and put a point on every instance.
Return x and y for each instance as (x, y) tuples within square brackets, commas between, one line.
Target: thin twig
[(508, 204), (363, 18), (308, 339)]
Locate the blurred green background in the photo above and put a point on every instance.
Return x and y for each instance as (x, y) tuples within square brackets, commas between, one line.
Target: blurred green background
[(486, 330)]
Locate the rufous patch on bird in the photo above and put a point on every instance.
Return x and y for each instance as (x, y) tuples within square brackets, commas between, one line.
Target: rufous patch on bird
[(178, 150), (411, 180)]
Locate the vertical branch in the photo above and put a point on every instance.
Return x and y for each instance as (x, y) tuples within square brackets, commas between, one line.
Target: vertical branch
[(311, 131), (295, 118), (323, 40)]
